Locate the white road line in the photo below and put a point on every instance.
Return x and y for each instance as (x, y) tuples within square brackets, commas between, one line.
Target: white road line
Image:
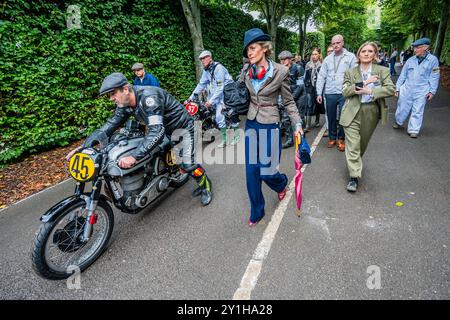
[(254, 267)]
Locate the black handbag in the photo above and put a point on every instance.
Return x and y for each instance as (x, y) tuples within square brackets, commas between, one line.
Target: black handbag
[(236, 96)]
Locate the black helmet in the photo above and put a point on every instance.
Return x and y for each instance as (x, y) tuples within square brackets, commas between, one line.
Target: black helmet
[(113, 81)]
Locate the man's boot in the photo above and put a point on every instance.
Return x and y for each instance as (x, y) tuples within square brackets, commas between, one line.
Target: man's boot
[(341, 145), (206, 195), (204, 189), (289, 138), (236, 136), (223, 143)]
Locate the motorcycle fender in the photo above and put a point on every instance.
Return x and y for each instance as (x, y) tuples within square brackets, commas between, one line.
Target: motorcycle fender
[(58, 209)]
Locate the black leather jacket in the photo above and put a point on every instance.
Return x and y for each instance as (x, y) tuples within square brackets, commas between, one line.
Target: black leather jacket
[(155, 108), (295, 72)]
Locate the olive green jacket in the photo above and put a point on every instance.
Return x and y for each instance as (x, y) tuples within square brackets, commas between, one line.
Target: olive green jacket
[(385, 88)]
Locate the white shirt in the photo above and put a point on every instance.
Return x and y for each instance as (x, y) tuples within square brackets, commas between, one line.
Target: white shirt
[(394, 54), (366, 98)]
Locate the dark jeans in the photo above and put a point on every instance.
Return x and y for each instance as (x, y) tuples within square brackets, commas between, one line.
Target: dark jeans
[(392, 66), (333, 102)]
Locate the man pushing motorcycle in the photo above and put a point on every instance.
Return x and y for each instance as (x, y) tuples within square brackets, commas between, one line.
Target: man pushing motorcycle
[(214, 78), (162, 114)]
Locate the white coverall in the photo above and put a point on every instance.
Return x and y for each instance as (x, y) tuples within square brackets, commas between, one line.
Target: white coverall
[(215, 89), (414, 83)]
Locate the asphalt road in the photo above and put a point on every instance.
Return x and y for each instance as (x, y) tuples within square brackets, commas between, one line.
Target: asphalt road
[(180, 250)]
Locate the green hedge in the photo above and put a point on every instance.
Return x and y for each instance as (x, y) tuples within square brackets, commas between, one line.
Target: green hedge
[(315, 40), (445, 55), (50, 75)]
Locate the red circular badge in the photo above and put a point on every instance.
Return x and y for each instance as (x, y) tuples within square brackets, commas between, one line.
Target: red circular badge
[(192, 108)]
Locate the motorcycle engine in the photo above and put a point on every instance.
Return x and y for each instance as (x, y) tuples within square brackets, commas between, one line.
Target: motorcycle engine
[(132, 185), (140, 187), (141, 184)]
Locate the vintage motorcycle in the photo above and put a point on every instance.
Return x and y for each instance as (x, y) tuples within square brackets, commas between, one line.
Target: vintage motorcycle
[(207, 116), (199, 112), (76, 231)]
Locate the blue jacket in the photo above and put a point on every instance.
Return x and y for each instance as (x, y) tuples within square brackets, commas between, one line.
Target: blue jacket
[(149, 80)]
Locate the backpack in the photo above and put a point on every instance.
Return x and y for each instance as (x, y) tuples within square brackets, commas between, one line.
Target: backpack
[(236, 96)]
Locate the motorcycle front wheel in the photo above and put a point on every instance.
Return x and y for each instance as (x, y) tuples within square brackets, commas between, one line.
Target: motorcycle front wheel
[(58, 247)]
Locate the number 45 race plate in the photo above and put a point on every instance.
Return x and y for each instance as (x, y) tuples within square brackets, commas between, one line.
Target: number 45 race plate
[(81, 167)]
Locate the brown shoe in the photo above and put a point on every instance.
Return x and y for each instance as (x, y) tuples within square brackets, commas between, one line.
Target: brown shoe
[(331, 143), (341, 145)]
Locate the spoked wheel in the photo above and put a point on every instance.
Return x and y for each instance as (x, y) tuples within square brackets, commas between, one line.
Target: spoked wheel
[(60, 245)]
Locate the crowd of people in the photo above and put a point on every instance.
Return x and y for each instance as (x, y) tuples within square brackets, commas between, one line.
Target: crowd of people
[(350, 90)]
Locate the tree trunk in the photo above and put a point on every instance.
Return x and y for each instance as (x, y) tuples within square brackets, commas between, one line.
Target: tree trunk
[(272, 27), (273, 11), (305, 23), (301, 40), (191, 11), (442, 29)]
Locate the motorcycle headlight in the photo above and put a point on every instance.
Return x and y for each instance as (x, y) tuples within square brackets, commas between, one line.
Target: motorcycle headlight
[(83, 166)]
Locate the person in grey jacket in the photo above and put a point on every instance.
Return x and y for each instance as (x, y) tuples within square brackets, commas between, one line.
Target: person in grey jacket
[(265, 80), (215, 77), (331, 76)]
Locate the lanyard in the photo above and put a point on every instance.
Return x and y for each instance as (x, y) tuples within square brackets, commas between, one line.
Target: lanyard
[(339, 62)]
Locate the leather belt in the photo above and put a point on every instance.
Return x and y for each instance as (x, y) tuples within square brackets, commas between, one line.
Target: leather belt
[(262, 105)]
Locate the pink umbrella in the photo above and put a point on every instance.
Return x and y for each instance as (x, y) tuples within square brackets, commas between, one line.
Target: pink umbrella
[(298, 175)]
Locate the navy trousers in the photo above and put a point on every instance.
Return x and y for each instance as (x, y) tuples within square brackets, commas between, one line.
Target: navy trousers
[(392, 66), (262, 157), (333, 102)]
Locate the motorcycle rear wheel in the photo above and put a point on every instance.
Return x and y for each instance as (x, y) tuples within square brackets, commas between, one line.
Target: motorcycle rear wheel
[(61, 239)]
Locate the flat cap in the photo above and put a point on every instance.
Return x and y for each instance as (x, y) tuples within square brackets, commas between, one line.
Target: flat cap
[(285, 55), (421, 41), (137, 66), (113, 81), (205, 53)]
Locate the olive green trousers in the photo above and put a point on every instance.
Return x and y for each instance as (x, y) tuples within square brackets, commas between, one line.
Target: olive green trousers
[(357, 136)]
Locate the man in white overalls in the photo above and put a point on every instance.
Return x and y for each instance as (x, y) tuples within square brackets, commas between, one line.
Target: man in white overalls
[(417, 84)]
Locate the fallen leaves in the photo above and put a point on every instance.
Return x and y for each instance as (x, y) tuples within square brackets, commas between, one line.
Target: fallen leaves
[(445, 76), (33, 174)]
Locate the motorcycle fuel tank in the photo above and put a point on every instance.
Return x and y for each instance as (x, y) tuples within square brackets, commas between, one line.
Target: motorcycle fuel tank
[(124, 148)]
